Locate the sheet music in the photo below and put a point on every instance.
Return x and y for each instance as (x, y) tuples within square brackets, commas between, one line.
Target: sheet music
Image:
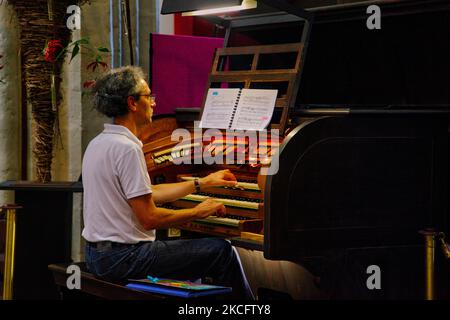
[(219, 106), (238, 109), (255, 109)]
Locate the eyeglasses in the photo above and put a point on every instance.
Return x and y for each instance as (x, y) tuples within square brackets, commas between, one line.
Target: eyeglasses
[(150, 97)]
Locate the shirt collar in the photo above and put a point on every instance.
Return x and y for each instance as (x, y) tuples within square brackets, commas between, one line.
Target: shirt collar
[(118, 129)]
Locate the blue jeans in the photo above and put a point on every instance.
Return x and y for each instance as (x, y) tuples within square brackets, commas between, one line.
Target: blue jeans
[(177, 259)]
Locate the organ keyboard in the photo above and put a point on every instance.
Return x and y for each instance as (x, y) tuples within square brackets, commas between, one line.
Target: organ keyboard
[(244, 208), (226, 221), (243, 202), (252, 204), (240, 185), (228, 150), (176, 152), (231, 225)]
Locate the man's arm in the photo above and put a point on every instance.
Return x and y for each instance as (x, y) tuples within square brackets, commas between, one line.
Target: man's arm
[(152, 217), (172, 191), (168, 192)]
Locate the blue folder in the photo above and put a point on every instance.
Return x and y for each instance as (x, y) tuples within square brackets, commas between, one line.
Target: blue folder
[(177, 292), (178, 288)]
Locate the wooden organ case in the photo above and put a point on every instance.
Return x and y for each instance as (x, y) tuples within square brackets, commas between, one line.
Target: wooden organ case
[(361, 172)]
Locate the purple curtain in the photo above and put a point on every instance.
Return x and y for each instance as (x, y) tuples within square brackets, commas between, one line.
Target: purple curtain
[(179, 70)]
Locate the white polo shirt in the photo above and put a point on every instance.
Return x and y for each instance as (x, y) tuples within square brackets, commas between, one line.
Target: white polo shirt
[(114, 170)]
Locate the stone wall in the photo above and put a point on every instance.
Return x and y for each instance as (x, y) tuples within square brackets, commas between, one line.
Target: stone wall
[(10, 102)]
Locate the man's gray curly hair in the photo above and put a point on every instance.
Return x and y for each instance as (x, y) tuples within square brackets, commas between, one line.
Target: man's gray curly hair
[(112, 89)]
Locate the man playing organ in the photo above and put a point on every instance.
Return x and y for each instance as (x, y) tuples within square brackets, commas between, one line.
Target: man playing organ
[(120, 214)]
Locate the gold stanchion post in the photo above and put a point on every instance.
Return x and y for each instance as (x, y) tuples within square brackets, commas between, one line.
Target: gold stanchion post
[(9, 250), (430, 243)]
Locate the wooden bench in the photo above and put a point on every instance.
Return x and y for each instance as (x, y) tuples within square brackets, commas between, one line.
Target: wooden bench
[(92, 286)]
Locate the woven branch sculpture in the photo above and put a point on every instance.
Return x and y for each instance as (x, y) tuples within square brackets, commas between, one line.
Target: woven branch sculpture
[(41, 20)]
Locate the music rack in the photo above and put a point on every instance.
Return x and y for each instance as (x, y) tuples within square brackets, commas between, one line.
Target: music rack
[(255, 77)]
